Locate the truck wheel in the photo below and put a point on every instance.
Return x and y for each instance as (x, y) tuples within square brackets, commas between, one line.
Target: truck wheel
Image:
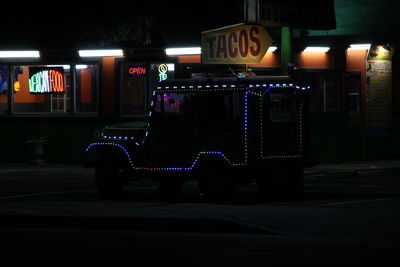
[(108, 182), (169, 187), (216, 182), (295, 178), (267, 187)]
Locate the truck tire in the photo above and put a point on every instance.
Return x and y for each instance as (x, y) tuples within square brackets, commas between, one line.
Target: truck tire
[(108, 181), (216, 182), (169, 187), (295, 178), (267, 187)]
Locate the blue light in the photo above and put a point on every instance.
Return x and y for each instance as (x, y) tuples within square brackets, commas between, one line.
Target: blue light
[(158, 169), (212, 152)]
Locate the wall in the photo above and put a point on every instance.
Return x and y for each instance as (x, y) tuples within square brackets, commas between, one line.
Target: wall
[(364, 17), (109, 88), (312, 60), (270, 60)]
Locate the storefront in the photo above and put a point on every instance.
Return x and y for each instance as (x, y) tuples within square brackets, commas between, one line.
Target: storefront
[(62, 98), (31, 89), (59, 99)]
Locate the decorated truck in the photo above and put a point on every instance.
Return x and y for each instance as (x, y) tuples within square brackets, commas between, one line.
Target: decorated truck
[(220, 132)]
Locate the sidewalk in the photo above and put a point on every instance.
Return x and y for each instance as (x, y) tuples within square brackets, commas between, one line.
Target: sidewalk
[(352, 169), (345, 169)]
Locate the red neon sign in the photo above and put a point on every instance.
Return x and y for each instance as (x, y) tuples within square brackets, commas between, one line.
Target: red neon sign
[(137, 71), (56, 81)]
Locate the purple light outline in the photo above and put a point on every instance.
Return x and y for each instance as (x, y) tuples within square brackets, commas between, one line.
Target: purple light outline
[(126, 152)]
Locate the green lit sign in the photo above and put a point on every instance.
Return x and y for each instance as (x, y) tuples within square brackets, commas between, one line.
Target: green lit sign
[(46, 80), (162, 72)]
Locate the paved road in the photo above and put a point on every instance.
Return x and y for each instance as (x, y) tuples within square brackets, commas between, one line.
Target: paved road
[(53, 216)]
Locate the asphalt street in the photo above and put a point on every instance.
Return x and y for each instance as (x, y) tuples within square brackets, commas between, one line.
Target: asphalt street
[(52, 216)]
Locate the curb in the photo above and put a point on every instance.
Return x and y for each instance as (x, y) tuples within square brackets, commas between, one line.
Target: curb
[(145, 224), (351, 173)]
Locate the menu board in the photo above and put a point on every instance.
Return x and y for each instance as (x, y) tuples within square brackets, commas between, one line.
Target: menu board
[(379, 91)]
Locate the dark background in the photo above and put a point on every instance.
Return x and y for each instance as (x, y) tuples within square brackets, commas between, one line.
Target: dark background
[(73, 24)]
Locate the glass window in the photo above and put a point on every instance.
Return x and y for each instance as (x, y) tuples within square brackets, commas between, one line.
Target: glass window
[(133, 89), (4, 85), (41, 89), (352, 86), (281, 107), (87, 77), (326, 95), (138, 80), (332, 93), (175, 103), (161, 72), (221, 109)]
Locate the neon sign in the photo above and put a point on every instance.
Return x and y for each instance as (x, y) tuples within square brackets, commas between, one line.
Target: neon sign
[(46, 80), (137, 71), (162, 72), (17, 86)]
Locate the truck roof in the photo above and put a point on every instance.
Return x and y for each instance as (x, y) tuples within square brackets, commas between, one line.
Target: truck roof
[(228, 81)]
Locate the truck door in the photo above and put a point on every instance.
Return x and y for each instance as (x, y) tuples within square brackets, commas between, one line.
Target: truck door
[(173, 136), (221, 120), (281, 125)]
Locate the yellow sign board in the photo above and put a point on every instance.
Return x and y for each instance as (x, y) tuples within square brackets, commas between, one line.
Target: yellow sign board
[(379, 90), (236, 44)]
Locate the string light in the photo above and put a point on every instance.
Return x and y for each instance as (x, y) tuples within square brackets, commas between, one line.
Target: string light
[(260, 91)]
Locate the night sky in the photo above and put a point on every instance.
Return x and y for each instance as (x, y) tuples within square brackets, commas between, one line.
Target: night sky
[(113, 24)]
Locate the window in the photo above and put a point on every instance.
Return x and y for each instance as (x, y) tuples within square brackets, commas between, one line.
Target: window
[(281, 107), (86, 89), (326, 92), (3, 89), (352, 86), (174, 103), (331, 93), (280, 124), (42, 89), (47, 89), (133, 86), (137, 80)]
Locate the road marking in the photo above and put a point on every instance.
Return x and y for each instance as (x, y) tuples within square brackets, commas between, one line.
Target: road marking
[(355, 202), (46, 193)]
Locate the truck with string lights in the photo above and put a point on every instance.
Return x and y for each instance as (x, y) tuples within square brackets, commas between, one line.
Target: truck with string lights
[(220, 132)]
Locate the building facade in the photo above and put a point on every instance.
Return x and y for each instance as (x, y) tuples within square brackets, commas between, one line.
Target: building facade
[(61, 97)]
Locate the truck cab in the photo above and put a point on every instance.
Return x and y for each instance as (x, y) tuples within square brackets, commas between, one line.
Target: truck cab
[(219, 132)]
